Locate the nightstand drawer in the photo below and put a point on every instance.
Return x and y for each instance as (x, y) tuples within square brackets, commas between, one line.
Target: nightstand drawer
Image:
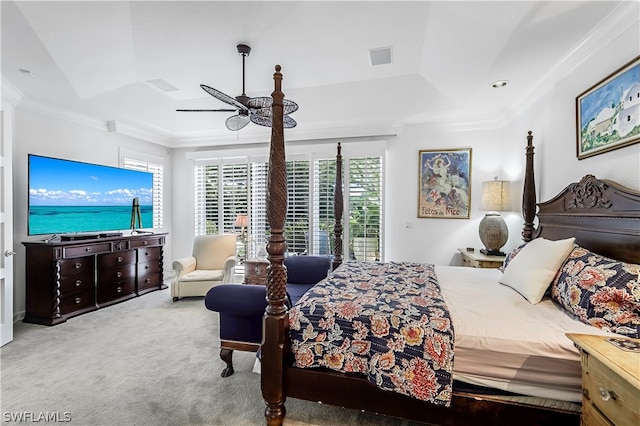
[(614, 397), (592, 417)]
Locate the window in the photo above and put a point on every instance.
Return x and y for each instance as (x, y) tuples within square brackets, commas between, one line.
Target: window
[(157, 170), (226, 187), (365, 208)]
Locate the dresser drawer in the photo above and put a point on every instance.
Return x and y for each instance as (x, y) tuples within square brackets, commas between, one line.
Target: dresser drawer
[(148, 268), (77, 251), (116, 290), (76, 283), (151, 280), (77, 302), (111, 260), (77, 266), (614, 397), (469, 263), (148, 254), (124, 272), (145, 242)]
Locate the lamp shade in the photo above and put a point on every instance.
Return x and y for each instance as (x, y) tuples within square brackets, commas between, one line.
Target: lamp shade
[(242, 220), (496, 196)]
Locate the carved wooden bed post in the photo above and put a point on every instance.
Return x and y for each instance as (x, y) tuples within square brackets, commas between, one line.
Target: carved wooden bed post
[(337, 212), (276, 319), (529, 194)]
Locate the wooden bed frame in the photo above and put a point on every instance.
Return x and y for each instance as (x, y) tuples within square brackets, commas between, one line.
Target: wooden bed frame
[(602, 215)]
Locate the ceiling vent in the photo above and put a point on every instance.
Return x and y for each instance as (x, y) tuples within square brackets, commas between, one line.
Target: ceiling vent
[(163, 85), (381, 56)]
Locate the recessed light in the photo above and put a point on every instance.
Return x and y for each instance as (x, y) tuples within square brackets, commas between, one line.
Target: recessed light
[(499, 83), (25, 72)]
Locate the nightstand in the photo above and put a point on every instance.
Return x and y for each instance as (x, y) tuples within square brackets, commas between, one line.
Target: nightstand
[(610, 380), (475, 259), (255, 271)]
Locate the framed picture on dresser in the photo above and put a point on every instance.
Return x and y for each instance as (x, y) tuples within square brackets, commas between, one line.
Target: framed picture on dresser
[(444, 183), (608, 114)]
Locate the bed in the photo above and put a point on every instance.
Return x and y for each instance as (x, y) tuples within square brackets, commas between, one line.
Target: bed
[(600, 215)]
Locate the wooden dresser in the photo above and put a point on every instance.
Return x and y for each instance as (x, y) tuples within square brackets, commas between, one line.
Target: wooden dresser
[(68, 278), (610, 381)]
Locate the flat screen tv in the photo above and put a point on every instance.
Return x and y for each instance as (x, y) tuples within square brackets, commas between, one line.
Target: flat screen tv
[(71, 197)]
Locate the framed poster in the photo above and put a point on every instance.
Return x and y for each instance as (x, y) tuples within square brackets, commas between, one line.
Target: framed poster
[(608, 114), (444, 183)]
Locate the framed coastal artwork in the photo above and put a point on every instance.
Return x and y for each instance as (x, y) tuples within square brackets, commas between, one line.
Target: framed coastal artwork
[(608, 114), (444, 183)]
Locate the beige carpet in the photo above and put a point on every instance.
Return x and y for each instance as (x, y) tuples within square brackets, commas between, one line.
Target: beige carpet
[(147, 361)]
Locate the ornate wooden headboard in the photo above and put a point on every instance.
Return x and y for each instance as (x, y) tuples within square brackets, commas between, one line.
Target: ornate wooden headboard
[(602, 215)]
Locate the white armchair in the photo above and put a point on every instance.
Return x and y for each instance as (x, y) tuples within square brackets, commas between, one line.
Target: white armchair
[(212, 263)]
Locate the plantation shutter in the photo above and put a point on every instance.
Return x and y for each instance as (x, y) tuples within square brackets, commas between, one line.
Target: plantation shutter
[(232, 186), (296, 226), (323, 215), (206, 199), (259, 224), (235, 195), (158, 186)]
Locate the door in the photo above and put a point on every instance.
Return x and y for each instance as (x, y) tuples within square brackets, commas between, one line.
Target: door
[(6, 225)]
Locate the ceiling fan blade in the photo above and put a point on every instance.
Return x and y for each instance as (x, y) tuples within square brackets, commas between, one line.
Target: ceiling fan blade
[(206, 110), (264, 102), (224, 98), (237, 122), (288, 122)]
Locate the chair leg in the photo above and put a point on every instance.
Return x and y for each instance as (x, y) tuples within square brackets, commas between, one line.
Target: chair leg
[(227, 356)]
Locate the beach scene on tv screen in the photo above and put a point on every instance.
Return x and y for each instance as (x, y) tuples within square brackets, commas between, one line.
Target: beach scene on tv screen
[(68, 196)]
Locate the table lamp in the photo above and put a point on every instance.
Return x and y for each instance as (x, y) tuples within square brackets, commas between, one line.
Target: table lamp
[(493, 229)]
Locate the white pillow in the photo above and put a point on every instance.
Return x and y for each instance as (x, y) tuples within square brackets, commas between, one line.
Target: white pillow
[(530, 272)]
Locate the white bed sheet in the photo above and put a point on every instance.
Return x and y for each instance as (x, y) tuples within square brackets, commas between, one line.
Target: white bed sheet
[(504, 342)]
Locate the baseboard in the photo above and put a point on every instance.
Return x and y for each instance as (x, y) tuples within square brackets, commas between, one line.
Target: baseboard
[(18, 317)]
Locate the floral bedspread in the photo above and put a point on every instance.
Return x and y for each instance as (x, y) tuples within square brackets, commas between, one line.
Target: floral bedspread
[(386, 320)]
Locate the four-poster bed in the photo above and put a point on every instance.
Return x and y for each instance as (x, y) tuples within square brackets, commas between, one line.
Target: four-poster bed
[(610, 228)]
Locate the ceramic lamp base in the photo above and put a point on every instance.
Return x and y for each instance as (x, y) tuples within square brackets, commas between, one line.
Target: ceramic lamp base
[(493, 233)]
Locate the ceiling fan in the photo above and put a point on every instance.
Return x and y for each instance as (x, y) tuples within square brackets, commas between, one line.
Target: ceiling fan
[(257, 110)]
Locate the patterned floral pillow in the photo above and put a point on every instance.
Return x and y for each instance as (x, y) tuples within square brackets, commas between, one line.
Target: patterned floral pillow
[(600, 291), (510, 257)]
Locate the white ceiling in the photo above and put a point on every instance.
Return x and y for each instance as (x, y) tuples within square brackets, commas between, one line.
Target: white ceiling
[(93, 60)]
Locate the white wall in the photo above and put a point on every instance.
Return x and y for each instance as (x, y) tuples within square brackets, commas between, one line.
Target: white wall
[(410, 238), (41, 134), (552, 119)]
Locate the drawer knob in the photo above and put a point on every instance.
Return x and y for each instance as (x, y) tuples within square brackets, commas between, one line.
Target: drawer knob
[(119, 289), (88, 249), (78, 300), (78, 283), (78, 265), (119, 274), (147, 281), (119, 259), (607, 394)]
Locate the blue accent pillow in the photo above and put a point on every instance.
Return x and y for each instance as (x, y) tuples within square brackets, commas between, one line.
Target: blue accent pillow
[(510, 257), (600, 291)]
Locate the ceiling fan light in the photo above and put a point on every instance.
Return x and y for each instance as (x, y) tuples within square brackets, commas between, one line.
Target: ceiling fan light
[(237, 122)]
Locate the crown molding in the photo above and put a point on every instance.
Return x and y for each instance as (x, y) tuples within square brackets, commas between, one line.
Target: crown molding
[(609, 29), (10, 93)]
